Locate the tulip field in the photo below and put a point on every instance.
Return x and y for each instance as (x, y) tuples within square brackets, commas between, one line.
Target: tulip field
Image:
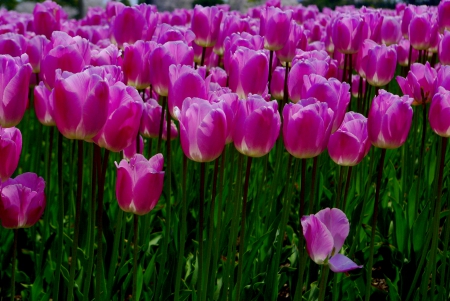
[(285, 153)]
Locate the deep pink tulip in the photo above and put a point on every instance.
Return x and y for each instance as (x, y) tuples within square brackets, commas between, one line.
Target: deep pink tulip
[(439, 114), (296, 39), (355, 86), (245, 63), (47, 17), (150, 121), (232, 43), (389, 120), (36, 50), (277, 83), (325, 233), (130, 150), (444, 46), (80, 104), (347, 33), (43, 104), (139, 183), (253, 117), (65, 53), (135, 65), (124, 115), (419, 83), (205, 24), (13, 44), (307, 127), (391, 31), (230, 24), (185, 82), (165, 33), (444, 15), (203, 129), (403, 53), (22, 201), (360, 60), (379, 65), (443, 78), (198, 52), (162, 57), (128, 26), (106, 56), (218, 75), (274, 26), (373, 20), (15, 76), (150, 13), (420, 32), (10, 150), (228, 102), (350, 143)]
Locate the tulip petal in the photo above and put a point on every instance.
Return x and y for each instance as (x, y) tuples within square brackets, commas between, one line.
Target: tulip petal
[(337, 223), (319, 242), (340, 263)]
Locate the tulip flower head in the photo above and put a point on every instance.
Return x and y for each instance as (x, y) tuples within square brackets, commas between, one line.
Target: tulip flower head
[(439, 115), (444, 46), (379, 65), (419, 83), (274, 26), (10, 149), (22, 201), (139, 183), (206, 24), (389, 120), (347, 33), (325, 233), (47, 18)]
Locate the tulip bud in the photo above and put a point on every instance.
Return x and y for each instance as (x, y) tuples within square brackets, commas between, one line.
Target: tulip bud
[(444, 46), (135, 66), (350, 143), (277, 83), (13, 44), (43, 104), (10, 149), (403, 53), (47, 18), (389, 120), (22, 201), (253, 117), (444, 15), (206, 24), (391, 31), (139, 183), (128, 26), (347, 33), (35, 51), (379, 65), (307, 127), (439, 114), (420, 32), (419, 83), (151, 121), (274, 27)]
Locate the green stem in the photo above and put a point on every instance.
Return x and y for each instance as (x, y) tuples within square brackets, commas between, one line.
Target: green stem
[(60, 203), (347, 186), (200, 231), (312, 194), (421, 153), (444, 259), (115, 250), (242, 234), (135, 254), (323, 282), (338, 193), (270, 69), (13, 272), (161, 124), (374, 224), (202, 60), (183, 231)]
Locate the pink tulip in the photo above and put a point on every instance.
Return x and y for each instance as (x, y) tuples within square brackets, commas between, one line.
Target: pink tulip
[(43, 104), (235, 41), (139, 183), (307, 127), (165, 33), (230, 24), (350, 143), (47, 18), (10, 150), (439, 114), (253, 117), (403, 53), (347, 33), (135, 66), (205, 24), (22, 201), (391, 31), (162, 57), (360, 60), (443, 78), (150, 121), (245, 63), (379, 65), (13, 44), (325, 233), (355, 86), (274, 26), (228, 102), (203, 129), (218, 75), (444, 15), (296, 39), (65, 53), (106, 56), (277, 83), (36, 50), (420, 32), (186, 82), (128, 26), (130, 151), (444, 45), (124, 115), (389, 120), (80, 104), (419, 83), (15, 76)]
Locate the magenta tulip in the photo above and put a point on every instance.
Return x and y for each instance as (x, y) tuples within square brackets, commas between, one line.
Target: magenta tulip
[(80, 104), (277, 83), (389, 120), (350, 143), (296, 39), (203, 129), (443, 78), (47, 18), (347, 33), (444, 15), (420, 32), (245, 63), (150, 121), (403, 53), (10, 150), (22, 201), (419, 83), (325, 233), (15, 76), (444, 46), (253, 117), (218, 75), (43, 104), (355, 86), (274, 26), (135, 66), (439, 114), (205, 24), (124, 115), (36, 50), (128, 26), (13, 44), (130, 151), (391, 31), (106, 56), (139, 183), (307, 127), (379, 65)]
